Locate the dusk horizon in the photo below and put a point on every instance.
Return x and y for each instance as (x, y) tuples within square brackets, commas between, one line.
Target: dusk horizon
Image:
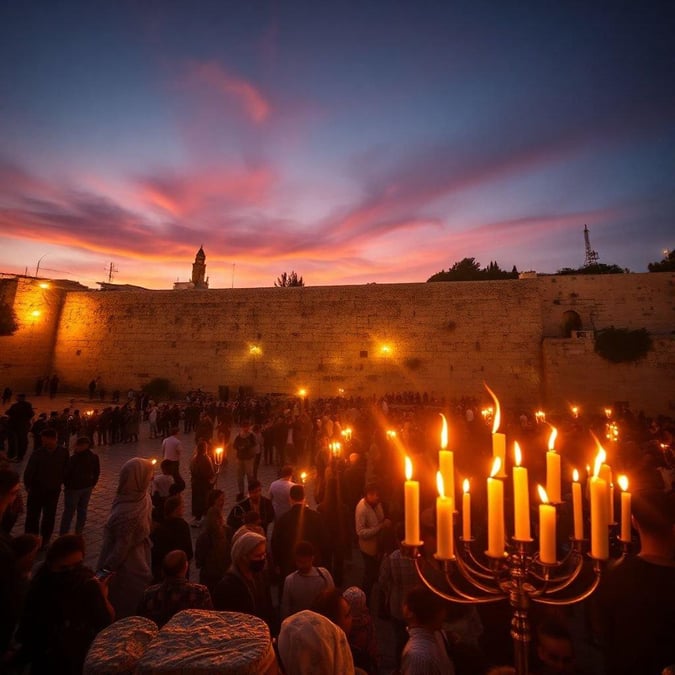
[(365, 143)]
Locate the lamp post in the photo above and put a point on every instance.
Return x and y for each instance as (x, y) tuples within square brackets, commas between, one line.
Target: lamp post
[(37, 267)]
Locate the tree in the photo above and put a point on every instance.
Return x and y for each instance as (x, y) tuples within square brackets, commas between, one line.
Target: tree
[(598, 268), (468, 269), (287, 280), (666, 265)]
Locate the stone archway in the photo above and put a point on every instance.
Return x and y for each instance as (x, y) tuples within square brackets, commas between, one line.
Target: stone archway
[(571, 321)]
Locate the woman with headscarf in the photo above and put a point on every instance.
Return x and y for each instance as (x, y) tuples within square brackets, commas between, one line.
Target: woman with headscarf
[(245, 586), (310, 643), (126, 537), (361, 636)]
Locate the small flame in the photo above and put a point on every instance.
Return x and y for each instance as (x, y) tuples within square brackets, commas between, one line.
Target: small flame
[(542, 494), (551, 438), (575, 476), (599, 461), (153, 462), (623, 482), (444, 432), (303, 476), (219, 451), (465, 485), (439, 484), (517, 453), (496, 466), (496, 420), (408, 468)]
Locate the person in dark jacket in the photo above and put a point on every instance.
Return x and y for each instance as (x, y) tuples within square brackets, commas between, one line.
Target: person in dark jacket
[(254, 502), (43, 478), (82, 473), (172, 534), (20, 415)]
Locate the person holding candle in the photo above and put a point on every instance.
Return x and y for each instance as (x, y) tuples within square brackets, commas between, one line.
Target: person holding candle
[(636, 600), (203, 477), (370, 522)]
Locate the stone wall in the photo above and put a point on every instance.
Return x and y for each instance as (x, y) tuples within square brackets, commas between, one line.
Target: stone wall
[(445, 338)]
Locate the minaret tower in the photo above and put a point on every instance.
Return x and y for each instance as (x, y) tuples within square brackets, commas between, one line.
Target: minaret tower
[(199, 270)]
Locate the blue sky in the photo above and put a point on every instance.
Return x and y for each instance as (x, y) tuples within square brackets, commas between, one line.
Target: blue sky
[(351, 142)]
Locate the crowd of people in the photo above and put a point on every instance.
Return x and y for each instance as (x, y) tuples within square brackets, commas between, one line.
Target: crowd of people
[(274, 556)]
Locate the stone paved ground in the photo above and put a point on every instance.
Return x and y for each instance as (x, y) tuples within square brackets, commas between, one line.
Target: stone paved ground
[(112, 457)]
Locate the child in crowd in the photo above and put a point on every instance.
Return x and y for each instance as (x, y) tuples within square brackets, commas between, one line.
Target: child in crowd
[(302, 586), (161, 489)]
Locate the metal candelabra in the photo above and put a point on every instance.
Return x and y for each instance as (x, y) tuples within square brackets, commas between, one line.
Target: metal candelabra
[(519, 577)]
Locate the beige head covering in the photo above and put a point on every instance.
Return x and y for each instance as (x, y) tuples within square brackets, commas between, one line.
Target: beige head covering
[(244, 544), (308, 639)]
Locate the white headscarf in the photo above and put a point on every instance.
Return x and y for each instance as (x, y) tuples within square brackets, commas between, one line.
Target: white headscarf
[(244, 544), (310, 643)]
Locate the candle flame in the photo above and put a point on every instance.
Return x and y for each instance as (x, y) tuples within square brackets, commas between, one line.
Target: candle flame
[(439, 484), (444, 432), (551, 438), (496, 420), (153, 461), (623, 482), (496, 466), (465, 485), (575, 476), (599, 461), (542, 495), (408, 468), (517, 453), (219, 451)]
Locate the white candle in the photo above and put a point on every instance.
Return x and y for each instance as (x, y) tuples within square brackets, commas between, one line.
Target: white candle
[(466, 511), (599, 516), (446, 463), (547, 529), (625, 509), (553, 470), (521, 499), (577, 507), (498, 440), (411, 497), (495, 489), (444, 525)]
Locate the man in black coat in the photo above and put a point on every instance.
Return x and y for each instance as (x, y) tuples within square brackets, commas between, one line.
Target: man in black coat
[(82, 472), (299, 524), (255, 502), (20, 415), (43, 478)]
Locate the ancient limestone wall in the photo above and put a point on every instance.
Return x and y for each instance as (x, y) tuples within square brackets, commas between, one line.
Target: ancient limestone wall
[(28, 353), (445, 338)]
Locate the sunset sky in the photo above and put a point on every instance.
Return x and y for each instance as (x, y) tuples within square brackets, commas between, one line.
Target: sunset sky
[(352, 142)]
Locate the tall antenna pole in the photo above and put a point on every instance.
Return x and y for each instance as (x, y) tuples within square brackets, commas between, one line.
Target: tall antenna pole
[(111, 271), (591, 255)]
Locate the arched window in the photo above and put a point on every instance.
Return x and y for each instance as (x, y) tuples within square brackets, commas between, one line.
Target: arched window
[(570, 321)]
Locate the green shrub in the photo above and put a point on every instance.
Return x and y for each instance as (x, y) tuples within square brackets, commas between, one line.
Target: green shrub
[(621, 345)]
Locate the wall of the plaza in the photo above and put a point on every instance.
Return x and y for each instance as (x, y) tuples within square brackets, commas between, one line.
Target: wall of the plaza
[(443, 337)]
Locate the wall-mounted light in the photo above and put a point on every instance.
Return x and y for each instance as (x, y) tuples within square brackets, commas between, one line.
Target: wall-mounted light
[(44, 284), (302, 393), (35, 313), (255, 350), (386, 350)]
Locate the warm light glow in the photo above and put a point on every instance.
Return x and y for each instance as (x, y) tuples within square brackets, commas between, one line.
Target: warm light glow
[(391, 434), (439, 484), (575, 476), (385, 350), (255, 350), (465, 485), (44, 284), (552, 437), (608, 412), (35, 313), (303, 477), (153, 461), (575, 410), (496, 467), (517, 453), (623, 482), (599, 461), (444, 432), (346, 434), (498, 414), (540, 416), (408, 468), (302, 393), (542, 494)]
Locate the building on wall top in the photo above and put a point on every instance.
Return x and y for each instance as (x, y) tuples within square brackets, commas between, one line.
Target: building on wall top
[(199, 278)]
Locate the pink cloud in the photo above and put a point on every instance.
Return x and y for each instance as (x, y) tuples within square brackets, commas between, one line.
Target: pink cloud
[(231, 87)]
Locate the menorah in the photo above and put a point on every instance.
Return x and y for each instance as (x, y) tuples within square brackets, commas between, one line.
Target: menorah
[(519, 577)]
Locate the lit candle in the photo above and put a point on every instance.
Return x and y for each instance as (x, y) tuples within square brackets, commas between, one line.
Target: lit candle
[(547, 547), (553, 469), (521, 499), (495, 489), (466, 511), (219, 456), (605, 472), (625, 509), (599, 514), (411, 494), (444, 525), (446, 463), (612, 520), (498, 440), (576, 507), (303, 477)]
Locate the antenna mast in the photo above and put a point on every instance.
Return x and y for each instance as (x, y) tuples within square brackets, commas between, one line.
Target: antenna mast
[(591, 255), (111, 271)]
